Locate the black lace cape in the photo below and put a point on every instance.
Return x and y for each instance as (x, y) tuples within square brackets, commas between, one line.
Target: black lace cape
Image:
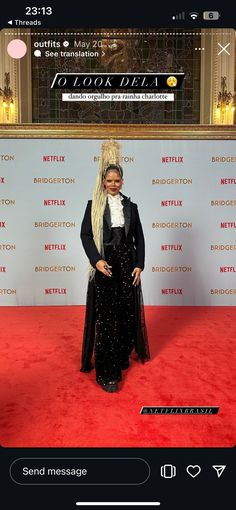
[(141, 339)]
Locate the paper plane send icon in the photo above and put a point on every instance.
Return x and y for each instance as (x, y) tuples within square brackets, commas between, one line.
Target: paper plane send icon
[(219, 470)]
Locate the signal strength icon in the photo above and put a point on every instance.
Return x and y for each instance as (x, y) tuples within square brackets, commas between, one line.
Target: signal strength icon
[(193, 15), (179, 16)]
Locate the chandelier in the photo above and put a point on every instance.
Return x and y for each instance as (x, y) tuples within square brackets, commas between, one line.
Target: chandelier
[(7, 94), (226, 100)]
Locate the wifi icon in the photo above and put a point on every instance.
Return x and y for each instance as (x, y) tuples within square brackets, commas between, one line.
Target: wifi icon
[(193, 15)]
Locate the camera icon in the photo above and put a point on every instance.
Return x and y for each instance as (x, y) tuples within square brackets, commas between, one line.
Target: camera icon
[(168, 471)]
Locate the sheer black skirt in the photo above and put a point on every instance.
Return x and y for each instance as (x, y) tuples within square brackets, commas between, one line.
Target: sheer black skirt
[(114, 321)]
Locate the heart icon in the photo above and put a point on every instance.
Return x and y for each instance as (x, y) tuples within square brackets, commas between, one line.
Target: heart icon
[(193, 470)]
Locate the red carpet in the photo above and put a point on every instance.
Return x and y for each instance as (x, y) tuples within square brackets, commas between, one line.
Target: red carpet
[(46, 401)]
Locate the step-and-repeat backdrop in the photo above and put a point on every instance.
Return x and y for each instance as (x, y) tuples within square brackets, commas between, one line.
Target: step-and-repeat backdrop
[(186, 195)]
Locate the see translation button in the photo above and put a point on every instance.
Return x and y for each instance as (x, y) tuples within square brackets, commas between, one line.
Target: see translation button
[(80, 471)]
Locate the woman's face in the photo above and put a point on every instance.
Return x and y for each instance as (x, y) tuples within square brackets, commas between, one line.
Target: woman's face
[(112, 182)]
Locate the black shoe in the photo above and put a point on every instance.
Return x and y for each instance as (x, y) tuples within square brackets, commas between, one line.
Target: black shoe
[(109, 387), (125, 365), (87, 369)]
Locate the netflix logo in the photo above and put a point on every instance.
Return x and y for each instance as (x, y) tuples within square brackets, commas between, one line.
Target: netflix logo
[(227, 269), (2, 224), (57, 247), (55, 291), (168, 203), (54, 159), (228, 224), (171, 247), (54, 202), (2, 180), (172, 291), (229, 180), (172, 159), (3, 269)]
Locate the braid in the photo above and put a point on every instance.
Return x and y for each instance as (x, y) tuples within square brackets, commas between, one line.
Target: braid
[(110, 157)]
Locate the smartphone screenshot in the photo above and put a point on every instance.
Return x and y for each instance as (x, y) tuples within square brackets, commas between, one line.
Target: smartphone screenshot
[(117, 257)]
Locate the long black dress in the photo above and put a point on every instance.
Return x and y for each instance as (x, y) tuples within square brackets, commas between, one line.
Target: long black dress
[(114, 321)]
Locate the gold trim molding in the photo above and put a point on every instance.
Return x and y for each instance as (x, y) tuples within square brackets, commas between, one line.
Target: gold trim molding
[(120, 131)]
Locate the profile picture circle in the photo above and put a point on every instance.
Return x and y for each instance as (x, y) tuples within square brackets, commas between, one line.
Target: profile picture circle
[(171, 81), (16, 48)]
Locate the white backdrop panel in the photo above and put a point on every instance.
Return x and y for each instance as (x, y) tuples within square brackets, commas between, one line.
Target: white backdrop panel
[(190, 240)]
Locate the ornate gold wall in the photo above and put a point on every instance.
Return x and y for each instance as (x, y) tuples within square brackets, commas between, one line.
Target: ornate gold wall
[(196, 102)]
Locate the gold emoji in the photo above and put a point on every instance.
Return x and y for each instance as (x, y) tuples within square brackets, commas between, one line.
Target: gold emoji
[(171, 81)]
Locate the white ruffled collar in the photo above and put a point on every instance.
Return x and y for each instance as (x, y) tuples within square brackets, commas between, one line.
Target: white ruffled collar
[(114, 198)]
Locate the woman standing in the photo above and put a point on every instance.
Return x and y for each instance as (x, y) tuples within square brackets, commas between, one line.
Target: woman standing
[(113, 240)]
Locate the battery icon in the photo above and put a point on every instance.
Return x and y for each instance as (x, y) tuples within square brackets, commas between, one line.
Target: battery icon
[(211, 15)]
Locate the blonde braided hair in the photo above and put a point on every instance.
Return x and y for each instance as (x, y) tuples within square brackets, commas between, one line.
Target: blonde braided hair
[(110, 154)]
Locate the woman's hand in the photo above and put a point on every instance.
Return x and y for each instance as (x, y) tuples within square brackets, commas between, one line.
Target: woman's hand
[(103, 267), (137, 275)]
